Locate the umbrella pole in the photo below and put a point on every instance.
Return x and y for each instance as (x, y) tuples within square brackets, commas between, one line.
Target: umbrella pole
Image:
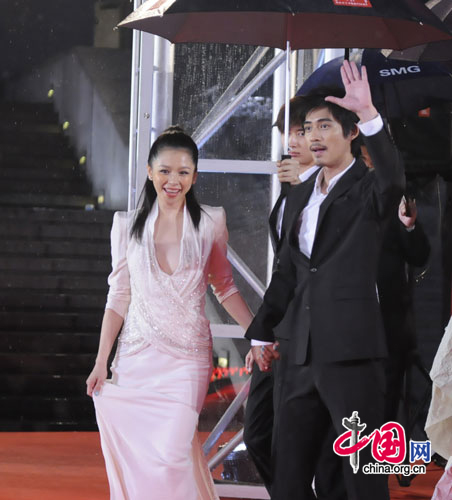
[(286, 101)]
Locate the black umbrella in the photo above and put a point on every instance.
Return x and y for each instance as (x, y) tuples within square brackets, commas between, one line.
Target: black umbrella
[(290, 24), (399, 88), (303, 23), (433, 51)]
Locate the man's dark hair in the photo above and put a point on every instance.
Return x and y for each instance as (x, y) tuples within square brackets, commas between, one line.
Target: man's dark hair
[(315, 99), (297, 113)]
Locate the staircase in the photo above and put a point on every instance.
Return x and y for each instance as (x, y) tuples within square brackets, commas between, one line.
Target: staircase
[(54, 262)]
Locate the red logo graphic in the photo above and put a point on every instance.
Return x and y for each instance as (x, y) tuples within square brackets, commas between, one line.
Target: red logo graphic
[(353, 3), (388, 442)]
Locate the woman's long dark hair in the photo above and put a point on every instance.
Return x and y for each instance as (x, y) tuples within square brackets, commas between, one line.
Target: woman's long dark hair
[(174, 138)]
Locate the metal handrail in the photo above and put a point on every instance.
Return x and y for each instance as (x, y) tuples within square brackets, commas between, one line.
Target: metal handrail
[(225, 420), (229, 94), (224, 452), (239, 264), (241, 97)]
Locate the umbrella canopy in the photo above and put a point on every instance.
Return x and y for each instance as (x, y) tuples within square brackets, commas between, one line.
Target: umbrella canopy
[(399, 88), (292, 24), (303, 23), (433, 51)]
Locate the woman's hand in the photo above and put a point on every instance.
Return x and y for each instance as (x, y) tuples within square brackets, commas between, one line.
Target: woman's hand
[(96, 379), (249, 361)]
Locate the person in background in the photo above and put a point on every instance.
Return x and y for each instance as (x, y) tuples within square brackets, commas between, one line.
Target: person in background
[(439, 419), (405, 245), (259, 409)]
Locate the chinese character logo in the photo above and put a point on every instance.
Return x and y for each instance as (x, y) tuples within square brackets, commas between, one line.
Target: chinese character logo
[(388, 442), (420, 450), (355, 428)]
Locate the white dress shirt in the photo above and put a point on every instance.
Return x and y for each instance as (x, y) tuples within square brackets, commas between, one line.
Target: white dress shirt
[(310, 213), (303, 177)]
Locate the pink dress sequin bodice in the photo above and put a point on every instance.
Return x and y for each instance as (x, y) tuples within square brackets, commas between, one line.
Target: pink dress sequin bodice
[(168, 309)]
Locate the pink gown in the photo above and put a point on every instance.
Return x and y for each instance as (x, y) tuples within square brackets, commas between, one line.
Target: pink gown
[(439, 419), (148, 412)]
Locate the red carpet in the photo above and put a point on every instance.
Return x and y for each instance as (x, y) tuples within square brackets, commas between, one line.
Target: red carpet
[(69, 466)]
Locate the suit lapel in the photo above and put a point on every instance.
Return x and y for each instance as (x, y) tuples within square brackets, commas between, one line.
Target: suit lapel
[(273, 222), (356, 172), (296, 201)]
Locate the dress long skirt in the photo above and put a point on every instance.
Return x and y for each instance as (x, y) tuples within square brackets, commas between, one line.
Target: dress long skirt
[(147, 417), (443, 489)]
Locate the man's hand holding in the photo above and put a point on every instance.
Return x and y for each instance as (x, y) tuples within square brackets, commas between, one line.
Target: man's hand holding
[(265, 355), (407, 207), (289, 171)]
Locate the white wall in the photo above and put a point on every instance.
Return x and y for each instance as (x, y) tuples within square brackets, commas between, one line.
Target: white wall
[(97, 108)]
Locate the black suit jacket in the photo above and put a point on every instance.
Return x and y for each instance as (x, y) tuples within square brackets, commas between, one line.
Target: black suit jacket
[(329, 301), (401, 251), (273, 222), (273, 219)]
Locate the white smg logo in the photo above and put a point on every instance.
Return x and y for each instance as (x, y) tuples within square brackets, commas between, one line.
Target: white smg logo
[(403, 70)]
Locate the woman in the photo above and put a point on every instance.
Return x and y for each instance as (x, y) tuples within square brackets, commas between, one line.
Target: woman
[(439, 419), (163, 257)]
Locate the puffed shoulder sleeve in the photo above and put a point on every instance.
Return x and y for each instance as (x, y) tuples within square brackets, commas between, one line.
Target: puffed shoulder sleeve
[(118, 297), (220, 272)]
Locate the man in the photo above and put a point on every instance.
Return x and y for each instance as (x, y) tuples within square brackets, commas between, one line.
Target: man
[(405, 245), (321, 303), (259, 409), (294, 170)]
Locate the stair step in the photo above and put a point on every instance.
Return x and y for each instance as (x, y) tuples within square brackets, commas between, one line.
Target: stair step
[(48, 425), (57, 215), (55, 248), (26, 126), (28, 116), (50, 320), (45, 186), (27, 107), (42, 148), (53, 364), (54, 408), (50, 343), (54, 230), (59, 386), (34, 300), (20, 160), (46, 200), (54, 264), (59, 284), (34, 140), (38, 174)]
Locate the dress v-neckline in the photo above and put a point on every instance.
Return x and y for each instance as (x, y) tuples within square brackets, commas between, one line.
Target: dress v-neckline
[(181, 243)]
